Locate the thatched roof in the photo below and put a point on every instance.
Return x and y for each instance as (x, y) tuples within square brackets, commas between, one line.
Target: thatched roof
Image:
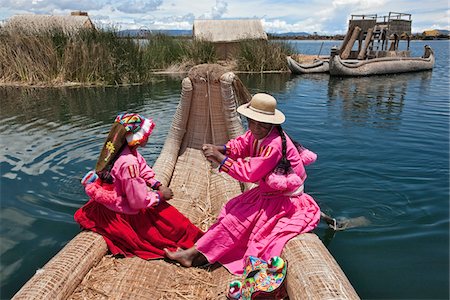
[(229, 30), (435, 32), (43, 23)]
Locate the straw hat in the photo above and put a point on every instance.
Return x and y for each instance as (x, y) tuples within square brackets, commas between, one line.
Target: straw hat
[(262, 108)]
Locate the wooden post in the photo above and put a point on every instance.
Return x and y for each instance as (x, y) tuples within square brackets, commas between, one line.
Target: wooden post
[(347, 37), (348, 48), (394, 44), (362, 53)]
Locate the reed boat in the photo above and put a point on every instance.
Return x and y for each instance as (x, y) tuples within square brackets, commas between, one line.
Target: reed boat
[(379, 41), (319, 65), (83, 269), (382, 65)]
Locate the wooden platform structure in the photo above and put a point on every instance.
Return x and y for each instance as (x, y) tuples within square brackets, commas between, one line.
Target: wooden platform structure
[(206, 113), (373, 34), (379, 51)]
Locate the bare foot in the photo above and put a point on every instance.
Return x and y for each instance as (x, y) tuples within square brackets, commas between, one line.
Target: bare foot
[(184, 257)]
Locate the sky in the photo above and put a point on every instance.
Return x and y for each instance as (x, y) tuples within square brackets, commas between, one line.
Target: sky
[(278, 16)]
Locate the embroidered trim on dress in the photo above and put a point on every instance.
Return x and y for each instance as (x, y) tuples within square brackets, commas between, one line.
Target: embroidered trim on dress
[(226, 164)]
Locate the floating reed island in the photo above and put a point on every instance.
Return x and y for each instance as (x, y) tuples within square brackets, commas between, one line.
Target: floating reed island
[(206, 113), (43, 50)]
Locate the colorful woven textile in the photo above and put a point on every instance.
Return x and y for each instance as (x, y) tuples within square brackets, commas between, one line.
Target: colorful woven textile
[(131, 122), (138, 128), (261, 280)]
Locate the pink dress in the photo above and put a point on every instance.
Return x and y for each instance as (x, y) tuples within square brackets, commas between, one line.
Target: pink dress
[(131, 214), (260, 221)]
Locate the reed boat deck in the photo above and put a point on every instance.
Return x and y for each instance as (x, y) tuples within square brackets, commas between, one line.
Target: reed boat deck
[(206, 114)]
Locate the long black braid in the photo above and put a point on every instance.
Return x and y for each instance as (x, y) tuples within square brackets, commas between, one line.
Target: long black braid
[(284, 166)]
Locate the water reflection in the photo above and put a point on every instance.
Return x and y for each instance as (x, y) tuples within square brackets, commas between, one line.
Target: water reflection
[(51, 136), (64, 105), (376, 100), (268, 83)]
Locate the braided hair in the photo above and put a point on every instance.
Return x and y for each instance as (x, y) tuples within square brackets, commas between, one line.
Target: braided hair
[(284, 166), (283, 177)]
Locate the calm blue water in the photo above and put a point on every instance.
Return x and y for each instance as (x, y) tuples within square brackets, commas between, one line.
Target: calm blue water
[(383, 146)]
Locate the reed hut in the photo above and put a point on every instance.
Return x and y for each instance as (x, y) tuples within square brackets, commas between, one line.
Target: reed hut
[(38, 24), (226, 34)]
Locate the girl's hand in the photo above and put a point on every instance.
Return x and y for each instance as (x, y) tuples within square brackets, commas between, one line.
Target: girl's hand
[(166, 192)]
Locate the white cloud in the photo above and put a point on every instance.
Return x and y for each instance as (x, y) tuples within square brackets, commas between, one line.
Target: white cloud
[(217, 11), (321, 16), (138, 6)]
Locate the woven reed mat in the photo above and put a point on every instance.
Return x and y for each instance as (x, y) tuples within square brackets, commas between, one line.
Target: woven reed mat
[(200, 191)]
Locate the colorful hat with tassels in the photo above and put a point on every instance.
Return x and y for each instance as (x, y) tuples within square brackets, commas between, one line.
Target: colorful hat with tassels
[(139, 127), (129, 128)]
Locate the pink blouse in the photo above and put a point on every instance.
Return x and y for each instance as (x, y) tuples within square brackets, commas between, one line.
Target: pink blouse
[(250, 160), (133, 186)]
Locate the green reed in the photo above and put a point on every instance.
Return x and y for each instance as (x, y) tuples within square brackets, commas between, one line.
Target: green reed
[(199, 51), (160, 51), (27, 58), (104, 57), (260, 55)]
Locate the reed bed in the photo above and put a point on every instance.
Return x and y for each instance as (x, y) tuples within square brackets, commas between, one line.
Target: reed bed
[(260, 56), (104, 57)]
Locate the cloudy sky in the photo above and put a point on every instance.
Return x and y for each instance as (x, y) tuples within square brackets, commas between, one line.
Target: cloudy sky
[(321, 16)]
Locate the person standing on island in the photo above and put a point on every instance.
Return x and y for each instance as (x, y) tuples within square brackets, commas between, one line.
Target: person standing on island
[(128, 205), (260, 221)]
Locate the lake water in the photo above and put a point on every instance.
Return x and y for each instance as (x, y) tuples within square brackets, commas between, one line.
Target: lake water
[(382, 142)]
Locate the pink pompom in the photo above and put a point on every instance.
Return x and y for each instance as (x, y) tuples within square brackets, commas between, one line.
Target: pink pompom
[(277, 182), (293, 181), (308, 157), (100, 194)]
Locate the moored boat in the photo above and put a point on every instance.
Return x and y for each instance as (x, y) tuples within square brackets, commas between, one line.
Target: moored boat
[(382, 65), (319, 65), (378, 52), (206, 114), (378, 40)]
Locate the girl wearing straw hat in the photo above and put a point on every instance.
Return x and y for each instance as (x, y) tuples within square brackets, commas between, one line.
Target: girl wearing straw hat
[(260, 221), (127, 204)]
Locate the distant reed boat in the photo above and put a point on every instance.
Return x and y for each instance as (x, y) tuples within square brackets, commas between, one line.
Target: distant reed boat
[(378, 52), (319, 65), (381, 65)]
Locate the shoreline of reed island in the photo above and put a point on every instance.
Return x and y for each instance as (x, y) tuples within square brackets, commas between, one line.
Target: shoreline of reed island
[(101, 57)]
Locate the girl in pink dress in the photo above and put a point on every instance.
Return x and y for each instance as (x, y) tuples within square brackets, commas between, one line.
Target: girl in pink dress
[(127, 203), (260, 221)]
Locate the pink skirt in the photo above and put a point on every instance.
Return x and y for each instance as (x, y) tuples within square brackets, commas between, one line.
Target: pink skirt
[(145, 234), (252, 224)]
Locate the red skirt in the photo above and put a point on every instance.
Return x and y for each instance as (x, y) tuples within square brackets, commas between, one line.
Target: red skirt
[(145, 234)]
